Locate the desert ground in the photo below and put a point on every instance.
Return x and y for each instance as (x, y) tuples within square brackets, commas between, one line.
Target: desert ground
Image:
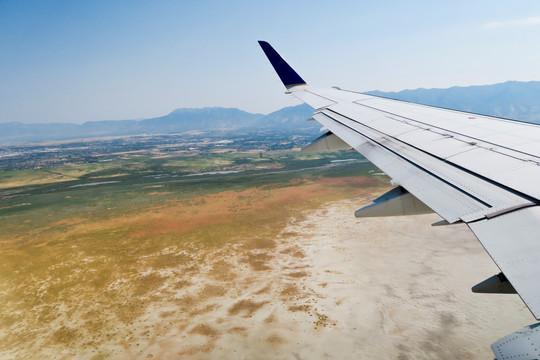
[(334, 287), (150, 267), (329, 287)]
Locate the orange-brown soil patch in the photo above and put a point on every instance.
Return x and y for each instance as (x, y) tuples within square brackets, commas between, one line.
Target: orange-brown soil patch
[(275, 339), (205, 330), (159, 193), (246, 307), (16, 205), (298, 274), (203, 211)]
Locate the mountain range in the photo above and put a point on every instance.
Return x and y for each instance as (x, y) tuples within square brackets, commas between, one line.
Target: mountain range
[(511, 100), (514, 100), (178, 121)]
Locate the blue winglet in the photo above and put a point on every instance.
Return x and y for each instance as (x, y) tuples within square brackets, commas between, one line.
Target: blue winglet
[(288, 76)]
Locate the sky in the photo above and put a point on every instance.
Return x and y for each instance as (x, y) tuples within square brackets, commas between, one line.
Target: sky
[(76, 61)]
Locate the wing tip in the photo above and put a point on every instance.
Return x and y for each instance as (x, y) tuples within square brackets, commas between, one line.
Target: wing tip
[(286, 73)]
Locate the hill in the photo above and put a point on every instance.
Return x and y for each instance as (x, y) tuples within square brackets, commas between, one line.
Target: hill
[(512, 99), (178, 121)]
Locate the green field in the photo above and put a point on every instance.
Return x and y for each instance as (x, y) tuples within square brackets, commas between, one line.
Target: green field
[(108, 189)]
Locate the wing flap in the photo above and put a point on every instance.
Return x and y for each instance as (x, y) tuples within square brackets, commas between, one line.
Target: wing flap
[(512, 242)]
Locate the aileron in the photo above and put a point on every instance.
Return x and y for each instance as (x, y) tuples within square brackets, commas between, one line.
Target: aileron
[(512, 242)]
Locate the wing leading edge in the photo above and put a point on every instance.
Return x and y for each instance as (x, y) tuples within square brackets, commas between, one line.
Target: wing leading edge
[(468, 168)]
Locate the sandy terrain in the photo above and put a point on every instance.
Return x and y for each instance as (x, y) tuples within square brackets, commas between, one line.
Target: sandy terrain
[(335, 287), (328, 286)]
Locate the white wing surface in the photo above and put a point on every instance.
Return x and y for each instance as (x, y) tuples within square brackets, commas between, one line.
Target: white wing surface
[(470, 168)]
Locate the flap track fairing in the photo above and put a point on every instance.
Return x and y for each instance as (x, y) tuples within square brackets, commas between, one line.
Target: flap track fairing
[(395, 202), (497, 284), (326, 142)]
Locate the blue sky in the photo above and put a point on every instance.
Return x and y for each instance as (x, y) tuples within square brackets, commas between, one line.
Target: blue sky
[(76, 61)]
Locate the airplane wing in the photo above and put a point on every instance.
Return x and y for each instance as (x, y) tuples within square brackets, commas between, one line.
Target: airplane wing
[(468, 168)]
